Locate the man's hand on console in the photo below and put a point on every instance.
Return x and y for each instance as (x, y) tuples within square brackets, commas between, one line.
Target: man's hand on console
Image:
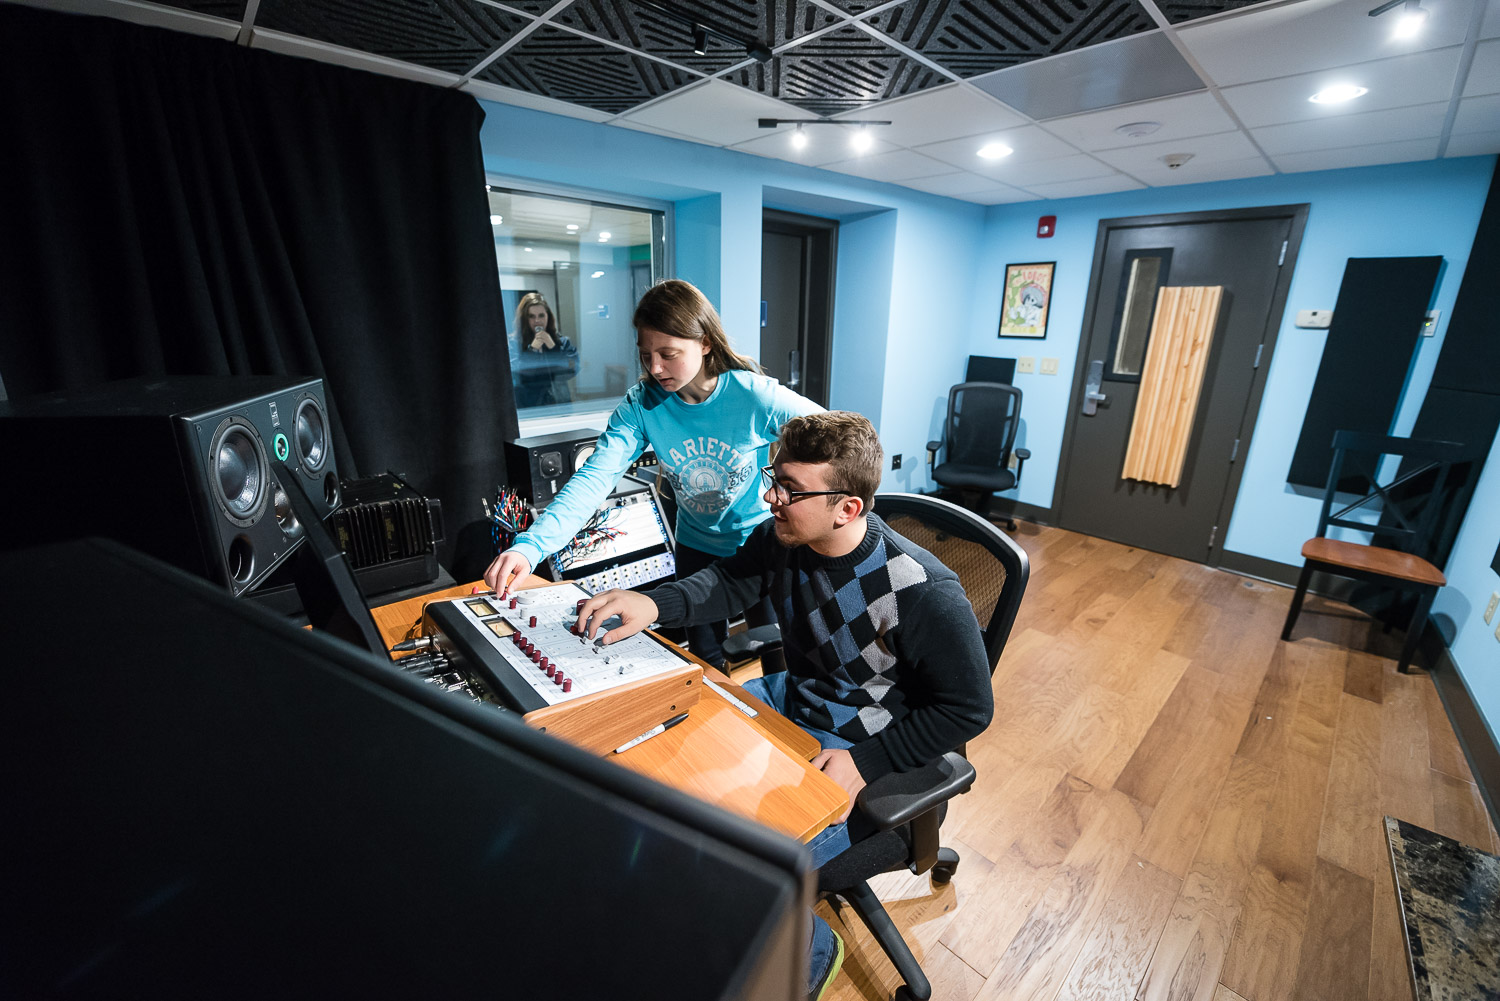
[(839, 765), (636, 612)]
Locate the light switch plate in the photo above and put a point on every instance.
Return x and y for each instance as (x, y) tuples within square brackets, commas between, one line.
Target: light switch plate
[(1489, 610), (1026, 364), (1049, 366), (1429, 324), (1314, 319)]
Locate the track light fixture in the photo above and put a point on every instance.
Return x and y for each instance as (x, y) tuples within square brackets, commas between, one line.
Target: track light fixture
[(1413, 16), (754, 47), (860, 141)]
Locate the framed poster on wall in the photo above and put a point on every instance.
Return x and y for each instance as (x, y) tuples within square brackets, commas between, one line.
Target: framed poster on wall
[(1026, 300)]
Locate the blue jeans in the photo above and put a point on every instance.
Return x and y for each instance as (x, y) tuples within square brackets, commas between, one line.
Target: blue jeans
[(833, 840)]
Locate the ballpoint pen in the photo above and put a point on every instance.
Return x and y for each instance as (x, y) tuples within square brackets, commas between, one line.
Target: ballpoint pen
[(659, 728)]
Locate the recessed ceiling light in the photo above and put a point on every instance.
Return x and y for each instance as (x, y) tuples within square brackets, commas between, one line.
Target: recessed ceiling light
[(572, 227), (862, 140), (496, 220), (527, 249), (604, 235), (1137, 129), (799, 138), (994, 151), (597, 274), (1338, 94)]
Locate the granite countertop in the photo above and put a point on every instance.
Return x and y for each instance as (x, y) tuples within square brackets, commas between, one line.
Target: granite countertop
[(1450, 906)]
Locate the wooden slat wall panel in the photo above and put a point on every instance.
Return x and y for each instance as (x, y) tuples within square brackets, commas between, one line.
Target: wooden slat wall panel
[(1182, 335)]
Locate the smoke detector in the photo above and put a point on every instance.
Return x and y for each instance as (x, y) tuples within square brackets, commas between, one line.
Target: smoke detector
[(1137, 129), (1175, 160)]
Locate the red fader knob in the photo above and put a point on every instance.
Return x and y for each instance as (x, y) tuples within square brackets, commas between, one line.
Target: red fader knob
[(568, 685), (532, 622), (558, 677), (549, 667), (512, 602)]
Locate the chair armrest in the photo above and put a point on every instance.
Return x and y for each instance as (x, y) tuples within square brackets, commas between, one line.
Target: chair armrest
[(932, 451), (752, 642), (1022, 453), (900, 797)]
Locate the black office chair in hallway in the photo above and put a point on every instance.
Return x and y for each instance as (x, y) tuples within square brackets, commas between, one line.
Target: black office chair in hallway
[(979, 435), (1410, 501), (906, 808)]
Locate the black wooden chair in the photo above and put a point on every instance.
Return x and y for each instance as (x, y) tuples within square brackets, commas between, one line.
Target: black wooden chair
[(905, 808), (1411, 499), (979, 435)]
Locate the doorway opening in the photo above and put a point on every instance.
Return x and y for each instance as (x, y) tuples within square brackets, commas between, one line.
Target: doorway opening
[(798, 257), (1250, 254)]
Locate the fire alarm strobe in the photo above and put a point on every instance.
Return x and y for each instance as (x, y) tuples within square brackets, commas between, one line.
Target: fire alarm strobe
[(1046, 225)]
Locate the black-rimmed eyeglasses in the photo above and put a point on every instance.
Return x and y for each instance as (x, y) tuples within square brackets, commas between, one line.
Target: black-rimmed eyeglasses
[(785, 495)]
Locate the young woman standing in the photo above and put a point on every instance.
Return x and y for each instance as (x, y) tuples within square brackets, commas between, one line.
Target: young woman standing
[(709, 414)]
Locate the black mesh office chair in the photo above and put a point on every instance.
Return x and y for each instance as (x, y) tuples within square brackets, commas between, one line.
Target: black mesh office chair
[(906, 808), (979, 435)]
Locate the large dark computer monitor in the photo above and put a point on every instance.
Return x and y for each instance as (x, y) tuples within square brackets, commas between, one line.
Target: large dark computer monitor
[(204, 801), (985, 369)]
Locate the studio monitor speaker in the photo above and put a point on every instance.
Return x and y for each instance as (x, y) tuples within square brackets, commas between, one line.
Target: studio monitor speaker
[(193, 470), (538, 466)]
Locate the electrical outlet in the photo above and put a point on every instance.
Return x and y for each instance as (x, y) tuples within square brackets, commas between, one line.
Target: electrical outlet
[(896, 461), (1049, 366), (1026, 364), (1489, 610)]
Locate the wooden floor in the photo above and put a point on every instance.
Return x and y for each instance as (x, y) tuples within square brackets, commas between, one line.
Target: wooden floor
[(1173, 803)]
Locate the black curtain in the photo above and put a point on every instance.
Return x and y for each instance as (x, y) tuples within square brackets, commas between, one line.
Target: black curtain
[(171, 204)]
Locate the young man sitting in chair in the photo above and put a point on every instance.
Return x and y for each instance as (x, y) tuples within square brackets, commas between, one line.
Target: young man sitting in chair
[(885, 663)]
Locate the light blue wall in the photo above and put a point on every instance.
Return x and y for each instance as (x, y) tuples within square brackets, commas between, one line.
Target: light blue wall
[(1403, 210), (1459, 609), (905, 267)]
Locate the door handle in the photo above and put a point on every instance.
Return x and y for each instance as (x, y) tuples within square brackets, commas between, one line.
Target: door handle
[(1091, 395)]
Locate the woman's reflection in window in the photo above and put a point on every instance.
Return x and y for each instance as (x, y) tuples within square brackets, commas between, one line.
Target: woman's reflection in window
[(543, 362)]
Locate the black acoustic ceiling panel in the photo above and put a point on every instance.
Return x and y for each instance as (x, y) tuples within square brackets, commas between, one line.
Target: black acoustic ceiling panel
[(569, 67), (537, 7), (1188, 10), (651, 31), (450, 35), (231, 10), (971, 37), (842, 70)]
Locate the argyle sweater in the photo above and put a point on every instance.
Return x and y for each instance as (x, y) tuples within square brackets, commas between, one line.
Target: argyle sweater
[(882, 647)]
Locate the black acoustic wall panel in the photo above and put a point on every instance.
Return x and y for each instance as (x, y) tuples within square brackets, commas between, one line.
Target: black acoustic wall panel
[(1376, 322)]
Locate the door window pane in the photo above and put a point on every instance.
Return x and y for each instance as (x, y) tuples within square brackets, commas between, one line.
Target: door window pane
[(571, 272), (1145, 272)]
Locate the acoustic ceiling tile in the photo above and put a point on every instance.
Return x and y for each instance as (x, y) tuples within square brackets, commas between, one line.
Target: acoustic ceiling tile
[(1474, 144), (1477, 114), (1422, 78), (1141, 68), (649, 30), (569, 67), (999, 196), (521, 99), (970, 37), (447, 35), (941, 113), (1359, 156), (1179, 11), (1088, 186), (232, 10), (214, 22), (337, 55), (962, 183), (1142, 160), (1421, 121), (1484, 73), (837, 71), (712, 112), (1179, 117), (1027, 143), (897, 165), (1032, 172), (1313, 35), (1159, 175)]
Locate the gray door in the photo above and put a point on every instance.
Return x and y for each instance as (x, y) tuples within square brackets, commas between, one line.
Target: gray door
[(781, 337), (1250, 254)]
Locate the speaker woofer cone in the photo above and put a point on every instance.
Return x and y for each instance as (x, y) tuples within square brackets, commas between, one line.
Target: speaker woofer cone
[(239, 474), (311, 435)]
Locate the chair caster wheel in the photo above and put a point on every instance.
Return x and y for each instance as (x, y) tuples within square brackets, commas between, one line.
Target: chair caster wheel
[(942, 872)]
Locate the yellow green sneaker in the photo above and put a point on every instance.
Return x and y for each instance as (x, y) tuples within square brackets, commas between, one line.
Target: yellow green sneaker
[(834, 965)]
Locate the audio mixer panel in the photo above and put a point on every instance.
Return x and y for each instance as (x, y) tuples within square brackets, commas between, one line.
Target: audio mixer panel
[(523, 651)]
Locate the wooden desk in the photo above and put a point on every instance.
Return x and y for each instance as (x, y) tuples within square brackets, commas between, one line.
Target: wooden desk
[(755, 767)]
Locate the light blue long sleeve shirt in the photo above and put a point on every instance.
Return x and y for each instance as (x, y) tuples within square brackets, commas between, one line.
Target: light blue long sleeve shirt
[(711, 452)]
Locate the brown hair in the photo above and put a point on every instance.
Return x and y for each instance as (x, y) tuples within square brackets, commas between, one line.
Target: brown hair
[(846, 441), (675, 308), (523, 330)]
